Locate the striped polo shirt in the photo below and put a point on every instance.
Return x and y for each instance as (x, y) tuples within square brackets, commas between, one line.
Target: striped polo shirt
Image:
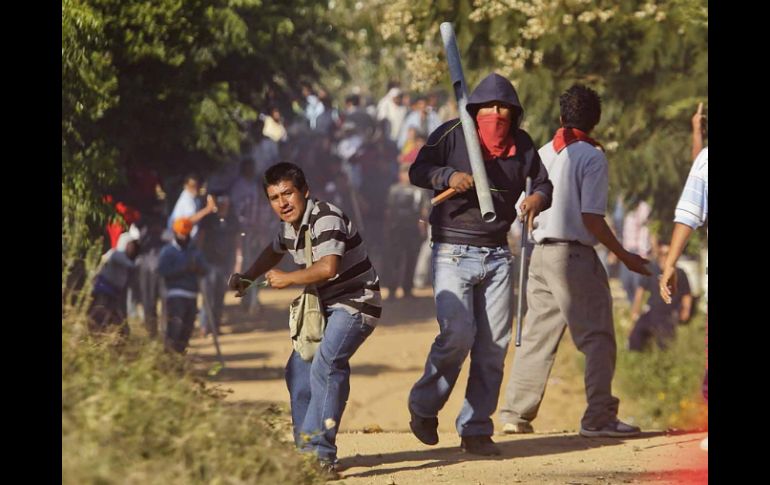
[(693, 206), (356, 287)]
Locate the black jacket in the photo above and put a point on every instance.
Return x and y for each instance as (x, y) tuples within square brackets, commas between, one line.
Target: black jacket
[(458, 220)]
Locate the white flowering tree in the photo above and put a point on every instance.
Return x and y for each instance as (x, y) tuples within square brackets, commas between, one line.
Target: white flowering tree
[(648, 60)]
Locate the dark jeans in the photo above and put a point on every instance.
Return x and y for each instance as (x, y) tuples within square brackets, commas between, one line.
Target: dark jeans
[(150, 289), (651, 325), (401, 261), (107, 311), (181, 318)]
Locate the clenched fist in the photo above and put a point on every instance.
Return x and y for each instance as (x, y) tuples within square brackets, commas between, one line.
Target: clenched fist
[(461, 182)]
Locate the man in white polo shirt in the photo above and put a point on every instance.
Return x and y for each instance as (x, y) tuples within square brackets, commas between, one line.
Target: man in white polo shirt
[(568, 286)]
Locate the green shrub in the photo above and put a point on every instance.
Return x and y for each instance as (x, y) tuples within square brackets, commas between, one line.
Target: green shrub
[(135, 414), (663, 387)]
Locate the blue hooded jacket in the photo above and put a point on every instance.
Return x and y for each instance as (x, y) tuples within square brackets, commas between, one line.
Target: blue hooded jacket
[(181, 266)]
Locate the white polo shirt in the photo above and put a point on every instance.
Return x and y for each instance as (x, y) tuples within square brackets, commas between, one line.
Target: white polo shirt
[(580, 178)]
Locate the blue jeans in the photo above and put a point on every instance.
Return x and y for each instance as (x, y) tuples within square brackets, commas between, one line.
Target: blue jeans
[(319, 389), (473, 292)]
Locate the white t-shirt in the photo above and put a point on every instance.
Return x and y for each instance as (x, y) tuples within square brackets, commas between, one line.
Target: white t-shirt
[(186, 206), (580, 178)]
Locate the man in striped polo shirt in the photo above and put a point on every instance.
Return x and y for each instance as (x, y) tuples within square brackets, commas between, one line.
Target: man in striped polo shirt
[(349, 289)]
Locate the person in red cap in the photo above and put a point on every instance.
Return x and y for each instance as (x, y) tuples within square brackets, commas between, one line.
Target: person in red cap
[(181, 264)]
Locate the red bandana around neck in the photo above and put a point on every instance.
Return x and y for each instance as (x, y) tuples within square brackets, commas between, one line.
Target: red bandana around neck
[(495, 136), (566, 136)]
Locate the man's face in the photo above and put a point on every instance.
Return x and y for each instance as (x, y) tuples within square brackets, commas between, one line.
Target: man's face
[(192, 186), (495, 107), (132, 250), (287, 201)]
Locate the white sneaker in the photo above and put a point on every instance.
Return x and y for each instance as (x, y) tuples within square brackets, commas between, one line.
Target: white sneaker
[(517, 428), (704, 445), (614, 429)]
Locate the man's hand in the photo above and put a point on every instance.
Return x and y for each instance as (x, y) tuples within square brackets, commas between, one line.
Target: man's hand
[(278, 279), (636, 263), (530, 207), (461, 182), (211, 204), (238, 283), (668, 283), (697, 120)]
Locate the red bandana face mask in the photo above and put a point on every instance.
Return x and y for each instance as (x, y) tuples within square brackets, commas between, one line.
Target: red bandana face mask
[(495, 136)]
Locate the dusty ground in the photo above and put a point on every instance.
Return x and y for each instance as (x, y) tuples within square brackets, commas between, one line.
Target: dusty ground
[(384, 369)]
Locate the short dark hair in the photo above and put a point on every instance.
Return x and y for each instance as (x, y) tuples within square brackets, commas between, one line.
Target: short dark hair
[(191, 176), (580, 108), (354, 99), (284, 171)]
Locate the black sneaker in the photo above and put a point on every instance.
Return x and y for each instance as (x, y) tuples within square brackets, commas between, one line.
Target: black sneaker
[(614, 429), (425, 429), (479, 445)]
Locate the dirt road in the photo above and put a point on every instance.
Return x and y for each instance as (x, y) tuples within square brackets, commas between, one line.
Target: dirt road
[(383, 371)]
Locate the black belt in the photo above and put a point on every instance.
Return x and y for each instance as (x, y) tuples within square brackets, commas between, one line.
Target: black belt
[(562, 241)]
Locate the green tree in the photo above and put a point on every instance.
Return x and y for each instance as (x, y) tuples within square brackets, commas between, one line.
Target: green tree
[(174, 84)]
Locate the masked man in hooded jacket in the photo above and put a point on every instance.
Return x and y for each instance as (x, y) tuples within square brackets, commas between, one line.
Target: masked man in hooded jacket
[(472, 261)]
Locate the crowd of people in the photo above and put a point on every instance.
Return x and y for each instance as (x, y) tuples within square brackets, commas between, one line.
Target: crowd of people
[(356, 157)]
